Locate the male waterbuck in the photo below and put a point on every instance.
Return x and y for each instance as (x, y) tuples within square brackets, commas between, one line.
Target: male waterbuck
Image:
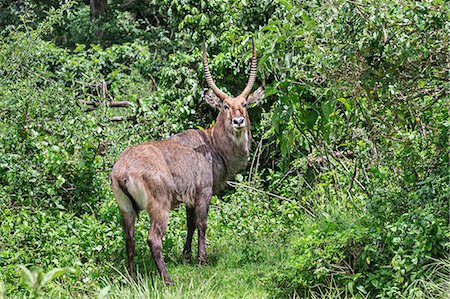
[(188, 167)]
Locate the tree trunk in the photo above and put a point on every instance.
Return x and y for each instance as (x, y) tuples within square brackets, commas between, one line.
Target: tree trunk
[(97, 7)]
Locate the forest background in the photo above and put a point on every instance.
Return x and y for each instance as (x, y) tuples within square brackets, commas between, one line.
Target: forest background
[(347, 190)]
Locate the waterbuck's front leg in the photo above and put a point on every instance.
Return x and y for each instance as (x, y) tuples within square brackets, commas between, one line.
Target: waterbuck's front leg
[(201, 219), (191, 225)]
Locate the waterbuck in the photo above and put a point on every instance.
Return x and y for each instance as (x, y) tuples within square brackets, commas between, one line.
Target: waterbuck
[(188, 167)]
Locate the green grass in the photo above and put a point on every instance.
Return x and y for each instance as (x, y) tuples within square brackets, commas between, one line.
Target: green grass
[(196, 282)]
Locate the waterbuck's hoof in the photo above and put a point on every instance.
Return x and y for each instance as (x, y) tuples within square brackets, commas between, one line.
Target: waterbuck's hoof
[(131, 274), (187, 258), (202, 261), (168, 281)]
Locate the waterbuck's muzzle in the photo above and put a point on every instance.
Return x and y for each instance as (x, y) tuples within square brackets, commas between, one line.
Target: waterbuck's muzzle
[(238, 123)]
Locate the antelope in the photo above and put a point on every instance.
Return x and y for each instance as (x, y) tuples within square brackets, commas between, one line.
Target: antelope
[(189, 167)]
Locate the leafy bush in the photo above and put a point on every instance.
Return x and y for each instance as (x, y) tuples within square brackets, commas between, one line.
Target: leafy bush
[(36, 280)]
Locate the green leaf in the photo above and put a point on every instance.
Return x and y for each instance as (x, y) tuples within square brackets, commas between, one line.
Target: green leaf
[(350, 287), (326, 133), (310, 118), (327, 108), (346, 102), (284, 148), (28, 277), (239, 177), (270, 27), (270, 90), (103, 292), (362, 289), (55, 273)]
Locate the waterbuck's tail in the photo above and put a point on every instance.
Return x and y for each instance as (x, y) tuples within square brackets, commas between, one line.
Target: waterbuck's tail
[(126, 202)]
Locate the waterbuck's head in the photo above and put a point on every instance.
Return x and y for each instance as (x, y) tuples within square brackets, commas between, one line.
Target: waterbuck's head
[(233, 110)]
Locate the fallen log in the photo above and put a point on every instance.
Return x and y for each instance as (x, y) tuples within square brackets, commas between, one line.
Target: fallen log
[(109, 103)]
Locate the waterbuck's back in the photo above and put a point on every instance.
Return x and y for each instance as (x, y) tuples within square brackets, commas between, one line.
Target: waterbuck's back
[(165, 173)]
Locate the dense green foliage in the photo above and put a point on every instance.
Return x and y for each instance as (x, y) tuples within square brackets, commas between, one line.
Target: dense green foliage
[(347, 192)]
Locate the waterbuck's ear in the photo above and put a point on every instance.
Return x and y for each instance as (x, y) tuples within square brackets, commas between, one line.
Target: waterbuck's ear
[(256, 96), (212, 99)]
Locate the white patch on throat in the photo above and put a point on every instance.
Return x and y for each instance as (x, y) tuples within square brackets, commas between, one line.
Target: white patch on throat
[(240, 138)]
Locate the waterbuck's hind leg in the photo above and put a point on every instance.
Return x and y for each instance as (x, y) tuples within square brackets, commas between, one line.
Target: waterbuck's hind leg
[(191, 225), (158, 226), (129, 213), (128, 227)]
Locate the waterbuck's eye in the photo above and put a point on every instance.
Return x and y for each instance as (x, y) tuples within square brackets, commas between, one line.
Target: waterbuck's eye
[(244, 105), (226, 106)]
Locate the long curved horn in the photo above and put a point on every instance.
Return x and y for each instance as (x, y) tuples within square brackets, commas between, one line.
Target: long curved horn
[(251, 79), (209, 78)]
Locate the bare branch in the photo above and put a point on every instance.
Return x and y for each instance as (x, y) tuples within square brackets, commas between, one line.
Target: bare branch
[(236, 184)]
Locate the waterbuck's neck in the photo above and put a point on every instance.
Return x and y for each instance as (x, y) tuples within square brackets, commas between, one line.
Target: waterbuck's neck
[(232, 147)]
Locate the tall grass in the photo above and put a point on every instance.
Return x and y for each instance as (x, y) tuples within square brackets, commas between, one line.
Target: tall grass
[(436, 285), (149, 286), (191, 281)]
